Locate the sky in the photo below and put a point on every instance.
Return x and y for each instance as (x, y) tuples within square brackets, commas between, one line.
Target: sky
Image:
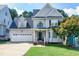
[(69, 8)]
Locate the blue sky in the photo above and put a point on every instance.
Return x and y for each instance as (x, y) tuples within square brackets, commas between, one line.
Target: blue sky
[(67, 7), (31, 6)]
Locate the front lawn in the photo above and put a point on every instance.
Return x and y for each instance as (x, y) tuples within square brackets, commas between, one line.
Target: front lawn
[(52, 50), (3, 41)]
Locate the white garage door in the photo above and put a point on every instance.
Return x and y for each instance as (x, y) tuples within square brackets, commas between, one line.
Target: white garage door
[(20, 35)]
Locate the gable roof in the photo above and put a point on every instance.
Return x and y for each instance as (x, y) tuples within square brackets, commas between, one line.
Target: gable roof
[(16, 20), (48, 11), (13, 25), (2, 6)]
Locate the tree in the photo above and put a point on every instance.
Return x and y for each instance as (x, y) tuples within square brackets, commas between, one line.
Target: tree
[(20, 15), (68, 27), (63, 13), (27, 14), (13, 13), (30, 14)]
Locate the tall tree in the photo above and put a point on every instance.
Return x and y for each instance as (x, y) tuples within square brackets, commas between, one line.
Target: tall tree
[(68, 27), (27, 14), (63, 13), (30, 14), (13, 13)]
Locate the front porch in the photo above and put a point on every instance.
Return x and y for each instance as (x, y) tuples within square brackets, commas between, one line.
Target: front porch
[(40, 36)]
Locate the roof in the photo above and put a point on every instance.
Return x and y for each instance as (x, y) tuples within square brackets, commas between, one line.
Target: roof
[(30, 22), (15, 22), (2, 6), (35, 11), (48, 11), (13, 25)]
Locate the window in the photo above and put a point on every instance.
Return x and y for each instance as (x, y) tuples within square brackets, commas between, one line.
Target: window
[(49, 22), (56, 24), (4, 20), (22, 24), (40, 24), (6, 13)]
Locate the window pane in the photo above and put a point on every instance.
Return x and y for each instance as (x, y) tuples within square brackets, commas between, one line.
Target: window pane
[(6, 13), (40, 24), (4, 20)]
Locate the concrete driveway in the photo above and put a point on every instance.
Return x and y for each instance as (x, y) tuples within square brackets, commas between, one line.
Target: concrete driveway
[(14, 49)]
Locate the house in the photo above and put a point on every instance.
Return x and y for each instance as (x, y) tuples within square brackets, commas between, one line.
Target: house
[(38, 28), (5, 21)]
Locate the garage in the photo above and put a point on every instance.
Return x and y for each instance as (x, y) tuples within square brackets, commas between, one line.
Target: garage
[(21, 35)]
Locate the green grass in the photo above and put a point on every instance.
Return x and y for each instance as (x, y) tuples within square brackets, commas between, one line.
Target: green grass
[(52, 50), (3, 41)]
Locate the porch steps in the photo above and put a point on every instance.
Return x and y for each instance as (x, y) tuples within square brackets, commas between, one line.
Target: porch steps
[(40, 42), (39, 46)]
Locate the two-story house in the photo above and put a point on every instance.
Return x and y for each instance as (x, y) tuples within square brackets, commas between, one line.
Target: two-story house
[(40, 26), (5, 21)]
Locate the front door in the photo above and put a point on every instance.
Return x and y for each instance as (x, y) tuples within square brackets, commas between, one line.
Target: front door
[(40, 36)]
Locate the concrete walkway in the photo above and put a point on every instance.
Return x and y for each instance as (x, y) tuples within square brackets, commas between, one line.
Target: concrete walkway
[(39, 46), (14, 49)]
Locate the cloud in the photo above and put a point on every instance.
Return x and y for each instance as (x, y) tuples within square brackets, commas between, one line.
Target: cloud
[(19, 11), (77, 10), (12, 6), (71, 11)]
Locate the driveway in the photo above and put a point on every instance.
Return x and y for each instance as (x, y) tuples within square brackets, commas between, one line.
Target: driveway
[(14, 49)]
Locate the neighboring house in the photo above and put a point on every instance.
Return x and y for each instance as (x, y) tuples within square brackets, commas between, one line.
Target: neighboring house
[(38, 28), (5, 21)]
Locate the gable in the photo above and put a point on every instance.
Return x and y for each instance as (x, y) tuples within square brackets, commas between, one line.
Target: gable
[(48, 11), (2, 6)]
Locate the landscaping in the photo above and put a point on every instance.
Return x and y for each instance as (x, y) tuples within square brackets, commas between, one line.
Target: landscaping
[(3, 41), (52, 50)]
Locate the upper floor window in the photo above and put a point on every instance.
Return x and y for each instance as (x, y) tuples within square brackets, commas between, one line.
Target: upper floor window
[(54, 24), (21, 24), (6, 13), (40, 24), (4, 20), (28, 25), (49, 22)]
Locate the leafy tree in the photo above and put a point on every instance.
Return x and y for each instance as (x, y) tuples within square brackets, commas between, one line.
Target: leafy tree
[(69, 27), (77, 16), (63, 13), (27, 14), (13, 13), (30, 14), (20, 15)]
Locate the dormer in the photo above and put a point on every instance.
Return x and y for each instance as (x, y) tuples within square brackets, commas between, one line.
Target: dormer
[(22, 22)]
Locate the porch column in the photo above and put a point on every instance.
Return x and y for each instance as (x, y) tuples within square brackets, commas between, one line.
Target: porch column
[(46, 40), (51, 36), (34, 40)]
